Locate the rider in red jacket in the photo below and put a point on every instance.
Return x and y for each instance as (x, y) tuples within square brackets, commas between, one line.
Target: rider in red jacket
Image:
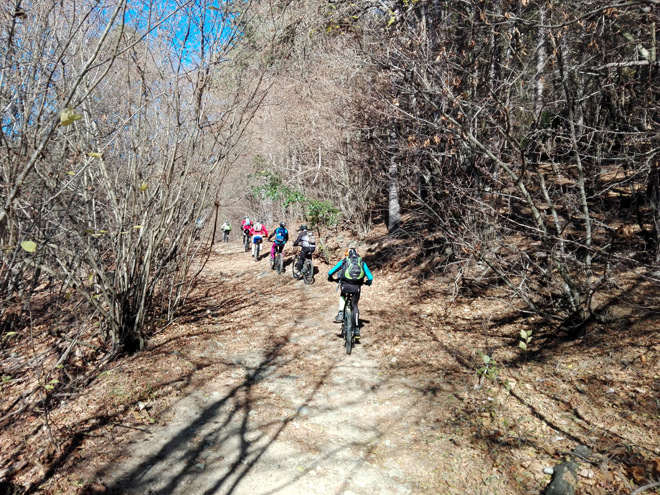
[(258, 235)]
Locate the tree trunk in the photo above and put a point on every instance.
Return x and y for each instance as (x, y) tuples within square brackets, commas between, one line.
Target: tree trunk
[(540, 66), (394, 215)]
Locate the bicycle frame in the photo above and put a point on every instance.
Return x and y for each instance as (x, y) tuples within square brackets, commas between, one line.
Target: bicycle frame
[(348, 330), (278, 259), (348, 299)]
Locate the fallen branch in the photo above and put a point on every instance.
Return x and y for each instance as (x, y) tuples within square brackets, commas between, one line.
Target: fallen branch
[(645, 487), (76, 341)]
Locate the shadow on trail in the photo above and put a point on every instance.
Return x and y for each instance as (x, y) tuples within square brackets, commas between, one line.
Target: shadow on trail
[(220, 439), (225, 448)]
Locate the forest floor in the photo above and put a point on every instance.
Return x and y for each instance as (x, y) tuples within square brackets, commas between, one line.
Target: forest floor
[(250, 391)]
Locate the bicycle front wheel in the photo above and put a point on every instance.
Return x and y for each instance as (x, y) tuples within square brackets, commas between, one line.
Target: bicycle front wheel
[(348, 322)]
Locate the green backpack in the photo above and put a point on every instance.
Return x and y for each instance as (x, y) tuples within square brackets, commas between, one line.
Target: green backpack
[(353, 269)]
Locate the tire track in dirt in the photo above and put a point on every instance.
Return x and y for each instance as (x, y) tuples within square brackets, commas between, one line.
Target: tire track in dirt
[(288, 411)]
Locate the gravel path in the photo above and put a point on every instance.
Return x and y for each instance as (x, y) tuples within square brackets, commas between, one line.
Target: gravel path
[(291, 413)]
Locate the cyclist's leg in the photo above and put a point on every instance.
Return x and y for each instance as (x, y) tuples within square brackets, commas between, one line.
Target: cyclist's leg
[(342, 305), (356, 313), (303, 257)]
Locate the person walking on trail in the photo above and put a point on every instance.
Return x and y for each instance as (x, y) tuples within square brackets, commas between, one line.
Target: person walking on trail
[(281, 238), (351, 272), (226, 229), (258, 232), (306, 241)]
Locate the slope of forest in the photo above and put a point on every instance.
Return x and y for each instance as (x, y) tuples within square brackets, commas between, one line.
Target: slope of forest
[(251, 389), (495, 159)]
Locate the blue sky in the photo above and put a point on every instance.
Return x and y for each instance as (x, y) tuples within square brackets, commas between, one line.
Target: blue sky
[(194, 25)]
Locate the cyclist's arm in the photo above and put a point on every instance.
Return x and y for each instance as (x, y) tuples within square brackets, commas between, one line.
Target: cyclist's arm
[(300, 236), (335, 268), (367, 272)]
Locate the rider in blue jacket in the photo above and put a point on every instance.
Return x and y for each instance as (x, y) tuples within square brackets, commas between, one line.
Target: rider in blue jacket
[(281, 238), (351, 272)]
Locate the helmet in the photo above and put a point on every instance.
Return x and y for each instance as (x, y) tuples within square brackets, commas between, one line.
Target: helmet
[(351, 252), (303, 227), (226, 221), (283, 225), (245, 218)]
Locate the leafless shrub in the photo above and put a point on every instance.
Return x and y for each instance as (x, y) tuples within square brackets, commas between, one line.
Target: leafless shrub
[(120, 127)]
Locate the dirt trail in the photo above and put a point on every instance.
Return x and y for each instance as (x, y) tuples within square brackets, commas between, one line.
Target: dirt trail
[(286, 410)]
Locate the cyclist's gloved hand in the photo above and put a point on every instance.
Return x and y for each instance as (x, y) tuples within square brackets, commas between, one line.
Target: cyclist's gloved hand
[(330, 279), (369, 282)]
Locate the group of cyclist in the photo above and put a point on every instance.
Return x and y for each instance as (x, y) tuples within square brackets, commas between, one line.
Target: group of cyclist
[(351, 271)]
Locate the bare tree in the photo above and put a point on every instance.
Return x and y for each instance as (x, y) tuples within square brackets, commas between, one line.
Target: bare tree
[(119, 139)]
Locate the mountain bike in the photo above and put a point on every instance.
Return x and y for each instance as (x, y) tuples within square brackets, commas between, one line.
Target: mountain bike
[(307, 271), (277, 263), (257, 250), (348, 324), (246, 241)]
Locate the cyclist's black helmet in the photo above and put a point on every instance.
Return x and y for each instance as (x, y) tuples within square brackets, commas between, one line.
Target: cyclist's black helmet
[(352, 253), (283, 225), (303, 227)]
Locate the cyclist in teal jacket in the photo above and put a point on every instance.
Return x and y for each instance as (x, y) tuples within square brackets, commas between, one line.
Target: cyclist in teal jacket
[(351, 272)]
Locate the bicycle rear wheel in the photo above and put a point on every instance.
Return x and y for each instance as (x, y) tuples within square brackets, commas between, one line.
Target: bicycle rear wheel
[(308, 272), (257, 246), (279, 263), (348, 322), (295, 273), (246, 243)]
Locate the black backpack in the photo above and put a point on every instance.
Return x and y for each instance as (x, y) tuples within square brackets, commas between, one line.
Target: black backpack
[(353, 269)]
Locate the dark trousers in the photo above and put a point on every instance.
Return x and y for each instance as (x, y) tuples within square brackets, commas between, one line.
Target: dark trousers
[(355, 290), (305, 252)]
